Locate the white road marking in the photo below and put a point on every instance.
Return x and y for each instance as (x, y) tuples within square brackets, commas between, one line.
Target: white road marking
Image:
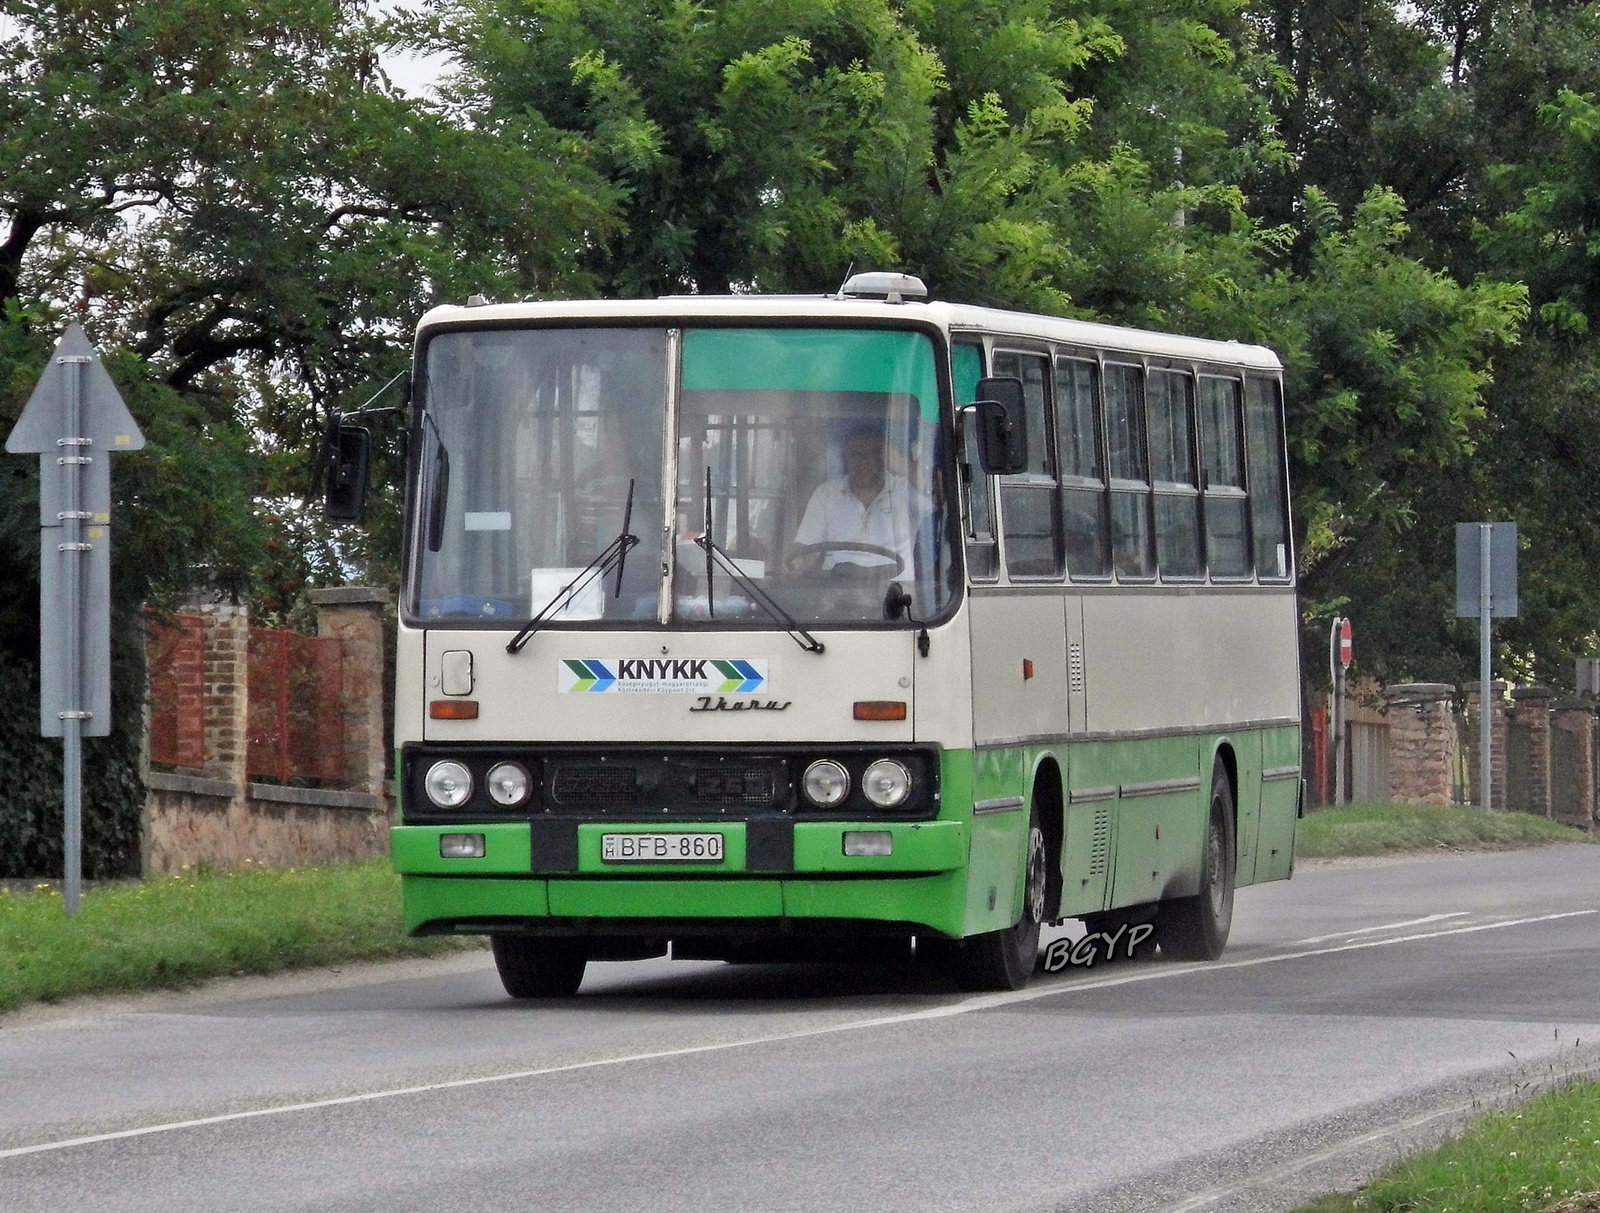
[(1388, 926), (981, 1002)]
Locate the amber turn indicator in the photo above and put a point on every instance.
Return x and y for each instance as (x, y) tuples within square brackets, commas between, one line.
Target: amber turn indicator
[(880, 709), (453, 709)]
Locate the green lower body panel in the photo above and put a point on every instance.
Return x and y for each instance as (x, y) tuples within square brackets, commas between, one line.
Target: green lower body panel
[(475, 903), (633, 898), (922, 881), (438, 898), (1132, 817)]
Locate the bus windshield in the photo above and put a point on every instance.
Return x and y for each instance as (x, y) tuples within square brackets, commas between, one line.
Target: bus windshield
[(813, 459)]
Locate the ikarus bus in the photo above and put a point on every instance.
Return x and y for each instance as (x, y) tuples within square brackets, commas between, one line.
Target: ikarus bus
[(773, 626)]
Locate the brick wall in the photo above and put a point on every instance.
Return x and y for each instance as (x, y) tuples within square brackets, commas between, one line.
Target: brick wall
[(1573, 754), (1422, 743), (175, 646), (1544, 756), (1528, 751), (1467, 726), (208, 809)]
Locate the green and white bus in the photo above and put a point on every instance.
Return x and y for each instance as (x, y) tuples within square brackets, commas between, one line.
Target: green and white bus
[(769, 626)]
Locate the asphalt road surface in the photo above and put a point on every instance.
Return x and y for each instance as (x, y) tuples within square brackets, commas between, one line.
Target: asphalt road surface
[(1359, 1012)]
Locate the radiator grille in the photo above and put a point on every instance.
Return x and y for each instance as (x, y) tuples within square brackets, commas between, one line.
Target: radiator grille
[(733, 785), (1075, 667), (595, 784)]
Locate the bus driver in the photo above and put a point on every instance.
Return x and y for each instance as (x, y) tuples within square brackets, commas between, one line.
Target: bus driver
[(868, 506)]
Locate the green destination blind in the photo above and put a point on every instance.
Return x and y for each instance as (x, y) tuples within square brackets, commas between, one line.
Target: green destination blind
[(812, 360)]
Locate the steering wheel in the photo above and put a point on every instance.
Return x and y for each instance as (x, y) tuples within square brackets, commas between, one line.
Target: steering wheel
[(850, 545)]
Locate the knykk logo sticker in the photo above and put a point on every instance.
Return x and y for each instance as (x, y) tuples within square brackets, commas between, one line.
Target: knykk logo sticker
[(661, 675)]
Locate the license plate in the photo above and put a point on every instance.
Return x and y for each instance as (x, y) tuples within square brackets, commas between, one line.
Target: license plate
[(661, 848)]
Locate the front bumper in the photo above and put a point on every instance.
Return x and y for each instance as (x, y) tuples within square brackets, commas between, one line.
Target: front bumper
[(922, 882)]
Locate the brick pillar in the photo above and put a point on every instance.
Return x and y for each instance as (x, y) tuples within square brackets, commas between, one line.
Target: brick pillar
[(1528, 751), (227, 696), (1497, 742), (354, 614), (1422, 743), (1572, 763)]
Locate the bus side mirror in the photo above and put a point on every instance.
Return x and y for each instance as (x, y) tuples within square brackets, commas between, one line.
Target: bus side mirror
[(347, 458), (1002, 426)]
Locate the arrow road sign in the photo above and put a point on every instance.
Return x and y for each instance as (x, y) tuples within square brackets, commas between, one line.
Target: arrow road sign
[(103, 418), (74, 420)]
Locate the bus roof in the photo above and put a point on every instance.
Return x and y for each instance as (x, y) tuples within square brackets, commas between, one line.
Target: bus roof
[(952, 317)]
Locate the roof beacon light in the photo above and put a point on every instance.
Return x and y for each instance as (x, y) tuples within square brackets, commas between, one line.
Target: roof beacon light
[(891, 288)]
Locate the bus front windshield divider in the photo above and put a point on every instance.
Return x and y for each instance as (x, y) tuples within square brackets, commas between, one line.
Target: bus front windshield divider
[(613, 555), (760, 597)]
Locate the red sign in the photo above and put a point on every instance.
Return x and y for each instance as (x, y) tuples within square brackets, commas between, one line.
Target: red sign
[(1346, 649)]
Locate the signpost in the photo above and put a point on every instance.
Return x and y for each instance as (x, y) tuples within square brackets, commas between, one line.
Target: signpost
[(1341, 652), (73, 421), (1486, 589)]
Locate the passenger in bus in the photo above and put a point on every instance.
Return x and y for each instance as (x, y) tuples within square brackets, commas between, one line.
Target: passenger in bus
[(869, 505)]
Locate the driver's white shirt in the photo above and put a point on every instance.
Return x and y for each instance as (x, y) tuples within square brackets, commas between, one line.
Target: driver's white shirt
[(835, 515)]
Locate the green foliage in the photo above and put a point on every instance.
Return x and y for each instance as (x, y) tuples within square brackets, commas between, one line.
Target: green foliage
[(174, 931), (183, 516), (1393, 829), (30, 817), (1475, 116), (1401, 199), (249, 221), (1085, 159), (1529, 1158), (1388, 362)]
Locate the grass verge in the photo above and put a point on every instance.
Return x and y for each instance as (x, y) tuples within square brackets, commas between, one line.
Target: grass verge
[(175, 931), (1534, 1157), (1387, 829)]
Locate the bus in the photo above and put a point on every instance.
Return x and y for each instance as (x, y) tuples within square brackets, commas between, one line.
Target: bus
[(768, 626)]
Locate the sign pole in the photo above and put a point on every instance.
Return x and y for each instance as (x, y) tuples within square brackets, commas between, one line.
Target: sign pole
[(1336, 655), (1485, 658), (72, 548), (75, 407)]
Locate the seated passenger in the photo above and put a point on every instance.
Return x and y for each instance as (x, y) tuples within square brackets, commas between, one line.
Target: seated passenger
[(869, 505)]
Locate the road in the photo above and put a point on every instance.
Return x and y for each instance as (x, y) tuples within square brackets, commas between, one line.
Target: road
[(1359, 1011)]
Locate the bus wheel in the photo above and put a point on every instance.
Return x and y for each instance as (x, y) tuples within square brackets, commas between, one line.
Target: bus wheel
[(539, 968), (1196, 928), (1004, 960)]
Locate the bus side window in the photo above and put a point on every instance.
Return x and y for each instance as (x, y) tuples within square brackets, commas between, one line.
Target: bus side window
[(1170, 395), (1029, 506), (1082, 471), (1132, 541), (1263, 423), (1222, 458), (983, 553)]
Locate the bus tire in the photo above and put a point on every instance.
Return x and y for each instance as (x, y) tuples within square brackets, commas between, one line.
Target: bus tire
[(531, 967), (1196, 928), (1004, 959)]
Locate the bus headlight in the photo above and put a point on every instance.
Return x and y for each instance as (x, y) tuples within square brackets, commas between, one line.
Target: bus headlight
[(886, 783), (826, 783), (448, 784), (508, 784)]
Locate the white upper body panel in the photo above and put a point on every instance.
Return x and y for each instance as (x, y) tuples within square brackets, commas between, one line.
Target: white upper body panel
[(950, 317)]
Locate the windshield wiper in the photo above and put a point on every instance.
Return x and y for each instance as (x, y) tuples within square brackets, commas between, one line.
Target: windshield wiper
[(706, 543), (614, 553)]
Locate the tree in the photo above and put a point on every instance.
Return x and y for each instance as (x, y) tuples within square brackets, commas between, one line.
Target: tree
[(249, 220)]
